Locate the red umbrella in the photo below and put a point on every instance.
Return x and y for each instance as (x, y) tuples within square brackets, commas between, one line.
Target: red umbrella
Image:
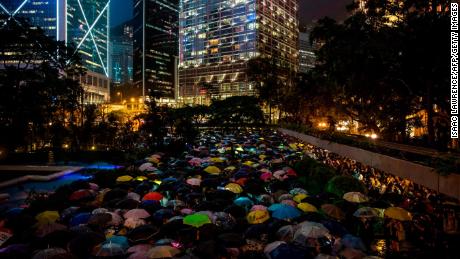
[(152, 196), (80, 195)]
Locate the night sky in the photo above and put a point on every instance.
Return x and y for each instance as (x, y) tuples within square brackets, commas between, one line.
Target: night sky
[(121, 10)]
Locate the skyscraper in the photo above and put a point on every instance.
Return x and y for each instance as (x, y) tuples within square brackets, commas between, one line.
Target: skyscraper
[(155, 26), (218, 37), (83, 24), (43, 14), (121, 56), (307, 56)]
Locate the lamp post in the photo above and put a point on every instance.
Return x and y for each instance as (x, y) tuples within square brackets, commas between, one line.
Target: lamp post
[(121, 96)]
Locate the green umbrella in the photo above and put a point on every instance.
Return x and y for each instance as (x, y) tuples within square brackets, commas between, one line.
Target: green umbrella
[(196, 220)]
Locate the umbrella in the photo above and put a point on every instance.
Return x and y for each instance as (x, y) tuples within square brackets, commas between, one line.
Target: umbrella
[(152, 196), (127, 204), (355, 197), (216, 160), (193, 181), (230, 168), (108, 250), (257, 216), (100, 219), (259, 207), (243, 202), (272, 246), (350, 253), (274, 207), (233, 187), (289, 202), (80, 195), (142, 233), (267, 176), (141, 178), (175, 204), (47, 217), (350, 241), (366, 212), (138, 251), (283, 251), (223, 220), (46, 229), (286, 212), (163, 252), (50, 253), (398, 213), (124, 178), (79, 219), (196, 220), (296, 191), (116, 219), (134, 222), (146, 167), (335, 227), (195, 161), (307, 207), (212, 170), (299, 197), (309, 229), (333, 211), (280, 174), (136, 214), (119, 240)]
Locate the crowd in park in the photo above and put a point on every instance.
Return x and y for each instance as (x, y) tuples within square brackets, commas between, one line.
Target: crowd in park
[(245, 194)]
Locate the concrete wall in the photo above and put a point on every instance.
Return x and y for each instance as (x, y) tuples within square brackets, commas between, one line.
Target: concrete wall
[(420, 174)]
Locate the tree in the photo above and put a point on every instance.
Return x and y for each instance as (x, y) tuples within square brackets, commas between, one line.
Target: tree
[(37, 85), (236, 111)]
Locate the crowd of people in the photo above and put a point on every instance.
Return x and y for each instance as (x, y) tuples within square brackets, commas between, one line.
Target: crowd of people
[(236, 195)]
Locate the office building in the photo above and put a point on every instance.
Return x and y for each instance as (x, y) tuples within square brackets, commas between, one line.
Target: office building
[(155, 28), (217, 38), (307, 56), (121, 56)]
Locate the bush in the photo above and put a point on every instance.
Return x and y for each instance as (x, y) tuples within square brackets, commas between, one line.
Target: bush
[(339, 185)]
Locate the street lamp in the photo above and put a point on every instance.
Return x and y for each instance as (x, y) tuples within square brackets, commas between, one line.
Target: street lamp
[(121, 96)]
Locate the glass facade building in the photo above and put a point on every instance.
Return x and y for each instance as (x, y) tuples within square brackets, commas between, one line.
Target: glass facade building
[(155, 29), (121, 48), (87, 28), (218, 37), (43, 14)]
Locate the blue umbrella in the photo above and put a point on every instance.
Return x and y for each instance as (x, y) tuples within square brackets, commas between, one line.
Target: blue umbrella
[(286, 212), (79, 219), (288, 251), (241, 174), (119, 240), (274, 207), (335, 227), (243, 202)]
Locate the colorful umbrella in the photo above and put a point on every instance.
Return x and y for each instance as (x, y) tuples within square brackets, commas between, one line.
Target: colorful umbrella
[(196, 220), (136, 214), (286, 212), (81, 195), (243, 202), (366, 212), (307, 207), (333, 211), (355, 197), (124, 178), (309, 229), (398, 213), (212, 170), (152, 196), (257, 216), (193, 181), (259, 207), (296, 191), (47, 217), (299, 197), (234, 187)]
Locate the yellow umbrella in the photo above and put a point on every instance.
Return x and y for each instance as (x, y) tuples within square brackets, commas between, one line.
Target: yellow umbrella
[(234, 187), (141, 178), (230, 168), (153, 160), (299, 197), (398, 213), (216, 160), (125, 178), (47, 217), (239, 149), (355, 197), (307, 207), (293, 145), (248, 163), (212, 170), (258, 216), (262, 157)]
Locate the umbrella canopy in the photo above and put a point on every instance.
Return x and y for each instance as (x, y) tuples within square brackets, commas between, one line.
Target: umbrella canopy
[(243, 202), (296, 191), (138, 251), (398, 214), (79, 219), (136, 214), (49, 253), (162, 252), (307, 207), (259, 207), (108, 250), (124, 178), (47, 217), (81, 195), (223, 220), (333, 211), (286, 212), (146, 167), (355, 197), (258, 216), (299, 197), (234, 187), (309, 230), (196, 220), (152, 196), (212, 170), (134, 222), (366, 212), (193, 181)]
